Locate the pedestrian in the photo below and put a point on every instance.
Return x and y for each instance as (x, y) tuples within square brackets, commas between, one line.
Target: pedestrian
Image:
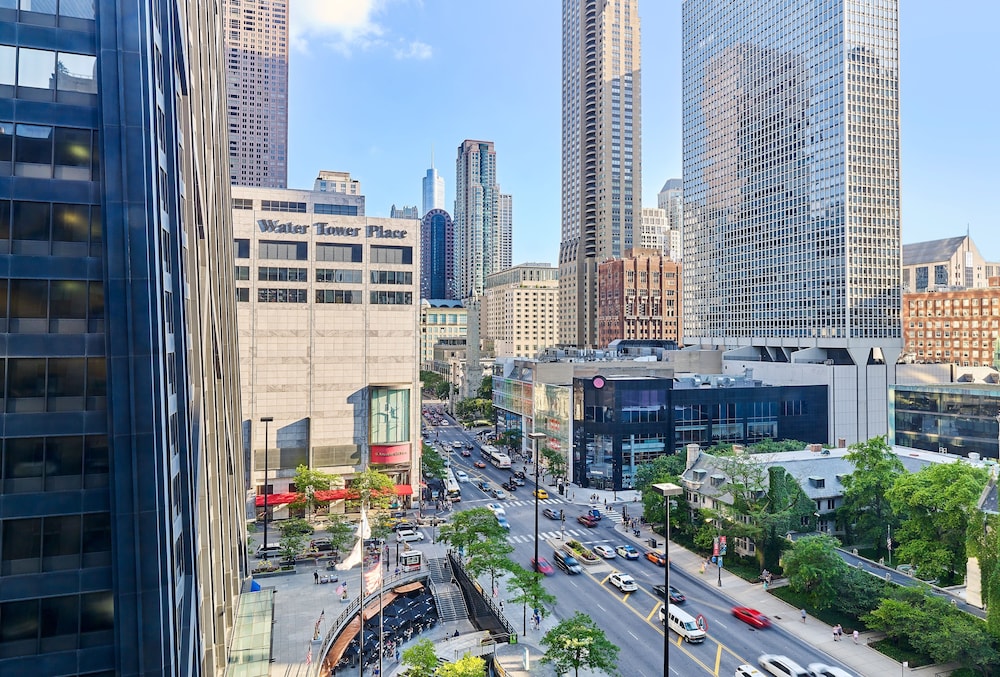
[(803, 615), (501, 611), (840, 632), (316, 577), (836, 632), (855, 635), (397, 654)]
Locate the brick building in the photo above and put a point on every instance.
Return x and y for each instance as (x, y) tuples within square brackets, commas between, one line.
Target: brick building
[(638, 298), (953, 327)]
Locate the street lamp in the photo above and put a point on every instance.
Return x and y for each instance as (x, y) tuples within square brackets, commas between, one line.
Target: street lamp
[(718, 549), (535, 437), (265, 420), (667, 490)]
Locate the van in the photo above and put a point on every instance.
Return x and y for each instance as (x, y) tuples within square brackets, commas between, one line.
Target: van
[(684, 625), (461, 476), (566, 562), (781, 666), (268, 550)]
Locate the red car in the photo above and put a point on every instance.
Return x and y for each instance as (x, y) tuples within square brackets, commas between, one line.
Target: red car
[(656, 557), (466, 452), (543, 566), (751, 617), (479, 464), (587, 521)]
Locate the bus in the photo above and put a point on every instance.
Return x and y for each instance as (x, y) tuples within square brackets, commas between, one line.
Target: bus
[(452, 490), (495, 456)]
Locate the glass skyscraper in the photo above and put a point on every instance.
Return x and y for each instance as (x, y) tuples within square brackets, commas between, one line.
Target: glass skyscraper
[(791, 174), (437, 256), (122, 493)]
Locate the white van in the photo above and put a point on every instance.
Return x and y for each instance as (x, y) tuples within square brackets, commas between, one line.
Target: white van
[(684, 624), (461, 476), (782, 666), (268, 550)]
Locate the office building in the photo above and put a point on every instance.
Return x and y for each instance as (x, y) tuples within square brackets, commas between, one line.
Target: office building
[(949, 263), (639, 298), (328, 181), (437, 256), (483, 218), (122, 528), (671, 200), (441, 320), (519, 309), (601, 153), (653, 232), (951, 418), (960, 327), (433, 191), (403, 212), (791, 195), (328, 308), (256, 36)]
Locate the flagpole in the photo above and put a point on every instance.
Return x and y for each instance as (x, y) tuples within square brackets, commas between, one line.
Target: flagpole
[(381, 637), (361, 597)]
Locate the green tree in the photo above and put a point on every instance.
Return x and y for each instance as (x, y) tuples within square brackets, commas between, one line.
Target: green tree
[(937, 504), (474, 408), (432, 463), (420, 659), (291, 545), (473, 531), (866, 505), (860, 593), (510, 438), (307, 482), (295, 527), (490, 557), (776, 446), (662, 469), (435, 385), (555, 462), (485, 390), (529, 589), (577, 643), (375, 489), (814, 568), (466, 666), (340, 531)]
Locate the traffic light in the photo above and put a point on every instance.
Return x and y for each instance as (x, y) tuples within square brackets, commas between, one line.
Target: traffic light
[(562, 515)]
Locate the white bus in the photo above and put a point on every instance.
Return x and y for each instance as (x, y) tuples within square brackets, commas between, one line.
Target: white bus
[(452, 491), (496, 457)]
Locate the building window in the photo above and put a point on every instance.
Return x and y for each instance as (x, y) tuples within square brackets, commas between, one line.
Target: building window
[(242, 203), (281, 295), (382, 254), (284, 250), (283, 206), (390, 415), (282, 274), (391, 277), (343, 276), (336, 210), (243, 294), (340, 253), (242, 272), (391, 298), (241, 248), (339, 296)]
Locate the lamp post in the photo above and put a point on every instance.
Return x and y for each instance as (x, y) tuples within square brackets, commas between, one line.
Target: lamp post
[(719, 548), (265, 420), (535, 437), (667, 490)]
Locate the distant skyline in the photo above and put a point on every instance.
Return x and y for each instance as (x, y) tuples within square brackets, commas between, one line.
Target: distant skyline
[(378, 86)]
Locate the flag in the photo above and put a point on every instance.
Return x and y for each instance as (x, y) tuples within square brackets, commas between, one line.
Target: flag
[(355, 556), (373, 575), (309, 656)]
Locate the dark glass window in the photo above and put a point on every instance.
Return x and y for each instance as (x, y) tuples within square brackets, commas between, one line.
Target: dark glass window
[(345, 296), (242, 295), (392, 298), (34, 145), (68, 299), (283, 249), (382, 254), (29, 298), (343, 253), (337, 210), (70, 223), (241, 248), (31, 220), (242, 203)]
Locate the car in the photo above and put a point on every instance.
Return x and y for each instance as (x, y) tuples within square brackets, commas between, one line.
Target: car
[(748, 671), (623, 582), (781, 666), (543, 566), (484, 485), (751, 617), (404, 524), (509, 486), (408, 536), (627, 551), (550, 513), (461, 476), (457, 445), (587, 521), (604, 551), (496, 509), (479, 464), (824, 670), (676, 597), (502, 521), (519, 481), (469, 446), (497, 492), (595, 513), (540, 493), (466, 453), (519, 475), (321, 545), (656, 557)]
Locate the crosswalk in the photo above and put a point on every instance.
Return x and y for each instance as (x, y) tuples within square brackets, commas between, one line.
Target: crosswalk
[(548, 535)]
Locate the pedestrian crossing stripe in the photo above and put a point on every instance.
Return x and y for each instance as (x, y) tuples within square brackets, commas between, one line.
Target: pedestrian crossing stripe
[(548, 535)]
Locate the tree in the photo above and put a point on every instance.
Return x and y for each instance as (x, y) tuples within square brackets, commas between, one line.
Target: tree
[(485, 390), (432, 463), (776, 446), (295, 527), (937, 504), (529, 589), (474, 408), (340, 531), (866, 506), (291, 545), (490, 557), (307, 482), (435, 385), (470, 528), (814, 568), (510, 438), (555, 462), (466, 666), (420, 659), (577, 643), (662, 469), (375, 489)]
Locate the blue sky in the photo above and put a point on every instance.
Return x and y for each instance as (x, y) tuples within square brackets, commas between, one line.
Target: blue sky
[(378, 85)]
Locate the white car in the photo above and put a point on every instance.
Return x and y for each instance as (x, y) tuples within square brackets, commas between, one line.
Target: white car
[(604, 551), (461, 476), (824, 670), (497, 509), (781, 666), (623, 582), (748, 671), (408, 535)]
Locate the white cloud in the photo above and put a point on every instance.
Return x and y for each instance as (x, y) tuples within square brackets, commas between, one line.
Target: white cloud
[(348, 26)]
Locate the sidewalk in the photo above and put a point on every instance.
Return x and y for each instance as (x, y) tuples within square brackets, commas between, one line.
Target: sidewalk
[(859, 657)]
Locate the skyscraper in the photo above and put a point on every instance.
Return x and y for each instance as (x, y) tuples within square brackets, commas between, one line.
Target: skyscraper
[(256, 33), (601, 153), (671, 200), (437, 256), (483, 218), (791, 186), (433, 191), (122, 537)]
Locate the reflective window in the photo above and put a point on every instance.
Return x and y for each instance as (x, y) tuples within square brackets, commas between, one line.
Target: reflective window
[(77, 72), (33, 147), (72, 153), (8, 64), (40, 6), (36, 68), (80, 9), (31, 220)]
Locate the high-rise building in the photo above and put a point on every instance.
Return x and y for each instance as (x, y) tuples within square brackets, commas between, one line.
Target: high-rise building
[(639, 298), (440, 320), (519, 309), (601, 153), (122, 533), (256, 34), (328, 181), (671, 200), (653, 232), (404, 212), (483, 218), (791, 190), (437, 256), (433, 191), (953, 326)]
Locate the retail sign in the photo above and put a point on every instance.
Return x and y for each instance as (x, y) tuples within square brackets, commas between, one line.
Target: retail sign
[(390, 453), (325, 229)]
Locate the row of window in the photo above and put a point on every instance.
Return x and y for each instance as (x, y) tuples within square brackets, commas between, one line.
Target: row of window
[(295, 207), (271, 274), (77, 9), (51, 624), (290, 250), (338, 296), (43, 152), (55, 543), (41, 74), (44, 229), (58, 384)]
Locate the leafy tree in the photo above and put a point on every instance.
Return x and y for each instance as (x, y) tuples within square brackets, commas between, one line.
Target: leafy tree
[(375, 489), (814, 568), (466, 666), (938, 503), (474, 408), (420, 659), (860, 592), (662, 469), (295, 527), (291, 545), (510, 438), (866, 505), (577, 643), (432, 463), (435, 385), (473, 531), (490, 557), (555, 462), (340, 531), (307, 482), (485, 390), (529, 589)]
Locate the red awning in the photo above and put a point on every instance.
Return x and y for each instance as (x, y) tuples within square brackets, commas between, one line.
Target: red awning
[(331, 495)]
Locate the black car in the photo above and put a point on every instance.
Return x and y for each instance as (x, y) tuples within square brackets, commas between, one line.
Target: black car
[(676, 597), (509, 486), (321, 544), (519, 481), (485, 486), (519, 475)]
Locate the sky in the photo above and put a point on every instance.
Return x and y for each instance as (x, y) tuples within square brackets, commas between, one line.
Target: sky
[(380, 87)]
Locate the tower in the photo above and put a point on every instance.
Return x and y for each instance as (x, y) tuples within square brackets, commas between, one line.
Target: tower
[(601, 153), (433, 191)]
